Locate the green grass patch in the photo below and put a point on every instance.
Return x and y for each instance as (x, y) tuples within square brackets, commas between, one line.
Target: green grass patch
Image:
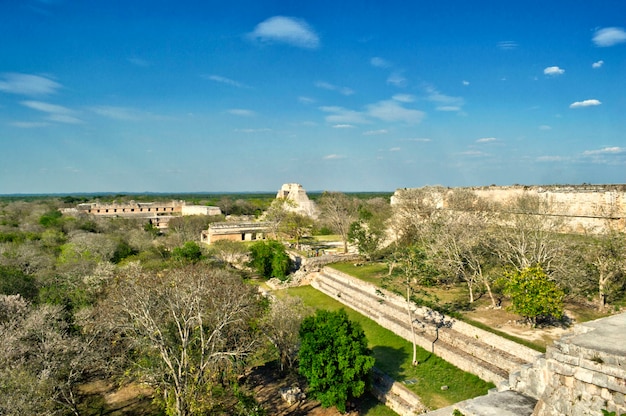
[(393, 355), (374, 272)]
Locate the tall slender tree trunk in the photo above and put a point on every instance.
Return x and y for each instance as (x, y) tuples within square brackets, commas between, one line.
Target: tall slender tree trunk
[(410, 315)]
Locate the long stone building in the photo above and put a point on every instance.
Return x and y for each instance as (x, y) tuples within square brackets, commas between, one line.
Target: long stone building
[(158, 213), (582, 208)]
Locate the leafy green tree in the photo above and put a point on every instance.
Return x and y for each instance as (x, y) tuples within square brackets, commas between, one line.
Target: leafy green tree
[(51, 218), (334, 357), (189, 252), (270, 259), (533, 295)]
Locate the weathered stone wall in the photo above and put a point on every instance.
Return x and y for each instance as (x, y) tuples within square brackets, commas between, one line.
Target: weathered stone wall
[(394, 395), (582, 373), (583, 209)]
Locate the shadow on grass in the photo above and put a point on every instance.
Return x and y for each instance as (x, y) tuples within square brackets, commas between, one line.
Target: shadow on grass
[(390, 360)]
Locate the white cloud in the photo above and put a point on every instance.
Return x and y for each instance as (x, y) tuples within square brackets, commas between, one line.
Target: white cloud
[(333, 156), (26, 84), (486, 140), (446, 100), (117, 113), (55, 112), (448, 108), (379, 62), (545, 127), (375, 132), (609, 36), (507, 45), (391, 110), (330, 87), (553, 70), (289, 30), (241, 112), (597, 64), (397, 79), (224, 80), (340, 115), (474, 153), (419, 139), (29, 124), (395, 149), (404, 98), (585, 103), (605, 151), (343, 126), (306, 100), (466, 83)]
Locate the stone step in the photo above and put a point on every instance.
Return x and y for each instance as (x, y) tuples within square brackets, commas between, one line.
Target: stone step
[(474, 351)]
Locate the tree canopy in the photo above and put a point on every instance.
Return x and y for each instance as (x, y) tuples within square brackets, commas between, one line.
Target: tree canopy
[(334, 357)]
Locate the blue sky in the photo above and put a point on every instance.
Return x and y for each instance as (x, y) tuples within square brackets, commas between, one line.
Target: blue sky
[(207, 96)]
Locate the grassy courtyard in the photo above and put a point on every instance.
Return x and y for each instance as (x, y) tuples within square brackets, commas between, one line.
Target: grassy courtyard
[(393, 355)]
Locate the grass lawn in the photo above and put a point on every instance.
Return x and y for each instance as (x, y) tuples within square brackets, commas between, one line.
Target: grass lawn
[(393, 355)]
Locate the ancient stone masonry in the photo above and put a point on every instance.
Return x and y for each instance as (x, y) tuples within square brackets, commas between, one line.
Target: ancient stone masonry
[(583, 208), (299, 201), (582, 373), (158, 213), (235, 231)]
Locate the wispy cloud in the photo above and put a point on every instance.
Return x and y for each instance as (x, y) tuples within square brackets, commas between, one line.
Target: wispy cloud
[(597, 64), (241, 112), (545, 127), (248, 131), (330, 87), (306, 100), (445, 102), (609, 36), (486, 140), (397, 79), (419, 140), (403, 98), (395, 149), (343, 126), (29, 124), (288, 30), (139, 62), (611, 150), (585, 103), (55, 112), (375, 132), (553, 71), (474, 153), (549, 158), (507, 45), (26, 84), (379, 62), (223, 80), (117, 113), (333, 156), (340, 115), (465, 83), (392, 110)]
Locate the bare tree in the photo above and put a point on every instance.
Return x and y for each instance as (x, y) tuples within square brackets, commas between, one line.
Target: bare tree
[(609, 260), (412, 209), (339, 211), (195, 322), (526, 234), (281, 326)]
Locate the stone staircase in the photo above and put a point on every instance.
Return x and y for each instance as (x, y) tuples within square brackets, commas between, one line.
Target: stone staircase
[(471, 349)]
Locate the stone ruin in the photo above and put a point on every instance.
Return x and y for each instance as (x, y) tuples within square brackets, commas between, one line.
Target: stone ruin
[(300, 202)]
